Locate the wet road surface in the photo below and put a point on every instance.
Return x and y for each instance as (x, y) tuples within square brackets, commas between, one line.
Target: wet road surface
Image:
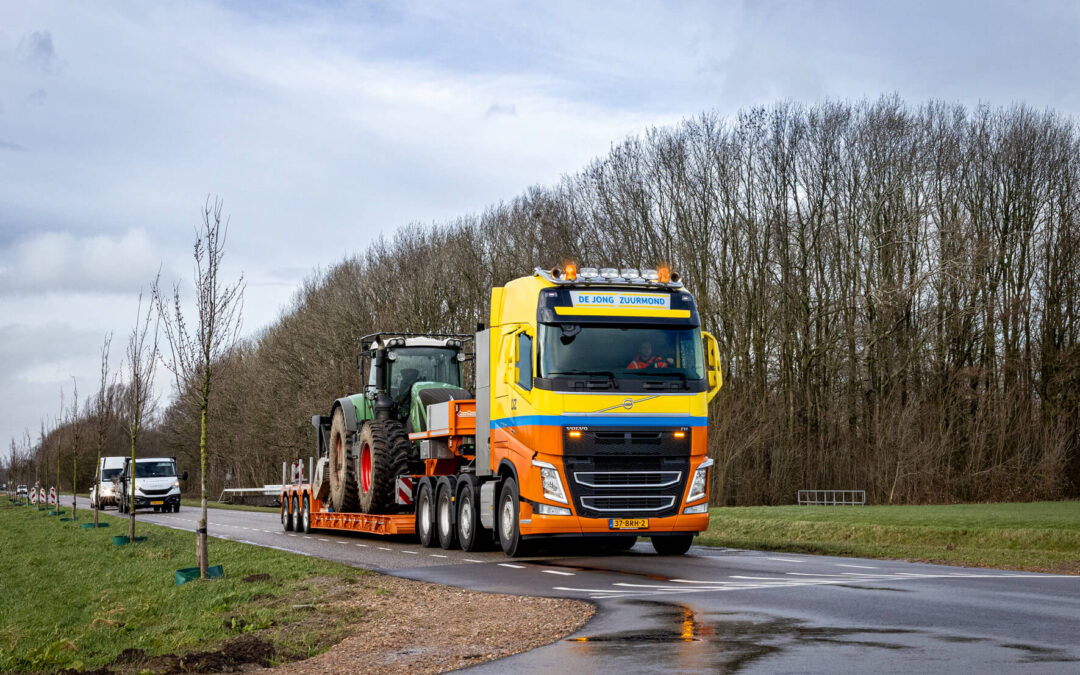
[(718, 610)]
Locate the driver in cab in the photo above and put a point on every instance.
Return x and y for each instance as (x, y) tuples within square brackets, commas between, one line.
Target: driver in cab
[(644, 358)]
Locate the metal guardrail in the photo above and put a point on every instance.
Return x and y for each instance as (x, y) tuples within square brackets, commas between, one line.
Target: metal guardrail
[(831, 497)]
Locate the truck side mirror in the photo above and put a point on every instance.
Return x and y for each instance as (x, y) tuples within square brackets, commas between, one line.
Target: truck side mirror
[(184, 476), (712, 364)]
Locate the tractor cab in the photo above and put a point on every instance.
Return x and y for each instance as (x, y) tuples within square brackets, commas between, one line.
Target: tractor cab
[(408, 372)]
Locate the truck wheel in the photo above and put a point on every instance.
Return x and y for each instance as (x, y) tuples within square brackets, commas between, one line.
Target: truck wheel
[(425, 516), (294, 513), (509, 514), (305, 516), (384, 455), (343, 496), (444, 517), (468, 521), (672, 544), (286, 521)]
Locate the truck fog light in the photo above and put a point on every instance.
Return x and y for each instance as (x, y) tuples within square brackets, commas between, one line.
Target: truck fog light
[(699, 508), (549, 510)]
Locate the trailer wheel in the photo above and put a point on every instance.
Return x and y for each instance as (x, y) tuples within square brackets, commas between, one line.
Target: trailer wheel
[(384, 455), (468, 520), (286, 521), (343, 494), (294, 513), (509, 514), (305, 516), (444, 517), (425, 516), (672, 544)]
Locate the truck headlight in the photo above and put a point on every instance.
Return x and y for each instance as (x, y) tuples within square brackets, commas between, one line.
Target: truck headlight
[(698, 484), (549, 510), (549, 476), (176, 484)]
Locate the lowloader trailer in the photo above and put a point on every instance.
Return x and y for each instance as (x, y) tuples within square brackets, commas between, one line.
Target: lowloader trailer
[(589, 419)]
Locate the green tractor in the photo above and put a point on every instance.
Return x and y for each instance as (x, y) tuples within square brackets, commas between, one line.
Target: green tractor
[(368, 444)]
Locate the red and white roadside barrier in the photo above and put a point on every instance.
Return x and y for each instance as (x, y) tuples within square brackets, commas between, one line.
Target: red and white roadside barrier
[(52, 496)]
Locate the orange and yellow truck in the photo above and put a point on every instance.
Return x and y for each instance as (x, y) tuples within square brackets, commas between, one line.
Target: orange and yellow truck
[(587, 418)]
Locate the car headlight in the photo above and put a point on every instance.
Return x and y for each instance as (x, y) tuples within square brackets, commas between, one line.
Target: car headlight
[(549, 477), (698, 484), (176, 484)]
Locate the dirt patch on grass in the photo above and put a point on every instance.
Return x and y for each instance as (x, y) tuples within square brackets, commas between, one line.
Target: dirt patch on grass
[(394, 625), (409, 626)]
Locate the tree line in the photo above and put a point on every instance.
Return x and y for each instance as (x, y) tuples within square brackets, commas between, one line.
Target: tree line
[(895, 289)]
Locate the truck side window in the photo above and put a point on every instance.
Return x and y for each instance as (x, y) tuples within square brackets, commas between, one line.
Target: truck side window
[(524, 362)]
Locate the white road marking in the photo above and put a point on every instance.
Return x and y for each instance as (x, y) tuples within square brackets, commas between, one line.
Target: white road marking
[(437, 555), (810, 574), (362, 545), (564, 574), (473, 560), (516, 567), (786, 560), (321, 539), (862, 567), (411, 552), (381, 548), (341, 542)]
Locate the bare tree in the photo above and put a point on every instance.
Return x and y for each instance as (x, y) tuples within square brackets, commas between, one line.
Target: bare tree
[(198, 350), (76, 437), (103, 414), (142, 354)]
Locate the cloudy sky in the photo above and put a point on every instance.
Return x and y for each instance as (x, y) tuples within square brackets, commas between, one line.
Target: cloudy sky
[(324, 124)]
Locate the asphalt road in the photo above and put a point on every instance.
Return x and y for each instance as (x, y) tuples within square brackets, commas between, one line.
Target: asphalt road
[(718, 610)]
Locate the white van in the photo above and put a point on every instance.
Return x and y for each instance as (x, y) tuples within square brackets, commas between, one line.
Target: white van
[(157, 484), (108, 470)]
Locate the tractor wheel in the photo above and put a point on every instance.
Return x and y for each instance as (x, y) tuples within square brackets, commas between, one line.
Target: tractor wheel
[(343, 496), (384, 455)]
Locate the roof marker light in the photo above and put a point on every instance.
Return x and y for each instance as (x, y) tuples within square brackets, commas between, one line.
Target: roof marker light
[(571, 272)]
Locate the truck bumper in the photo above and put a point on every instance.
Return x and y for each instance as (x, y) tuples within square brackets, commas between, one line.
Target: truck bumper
[(538, 526)]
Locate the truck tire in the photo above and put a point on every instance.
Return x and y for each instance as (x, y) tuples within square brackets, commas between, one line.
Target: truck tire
[(509, 514), (305, 516), (383, 456), (468, 518), (445, 512), (425, 515), (294, 513), (286, 521), (343, 483), (672, 544)]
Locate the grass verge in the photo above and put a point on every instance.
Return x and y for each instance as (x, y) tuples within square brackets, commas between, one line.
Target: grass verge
[(70, 599), (1037, 536), (195, 504)]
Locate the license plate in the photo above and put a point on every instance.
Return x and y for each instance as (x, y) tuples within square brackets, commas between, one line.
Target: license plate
[(156, 503), (628, 523)]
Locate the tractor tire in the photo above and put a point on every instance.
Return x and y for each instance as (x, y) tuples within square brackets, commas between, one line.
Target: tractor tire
[(383, 456), (343, 476)]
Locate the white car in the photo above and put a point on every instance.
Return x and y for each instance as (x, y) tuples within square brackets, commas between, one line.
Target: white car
[(21, 491)]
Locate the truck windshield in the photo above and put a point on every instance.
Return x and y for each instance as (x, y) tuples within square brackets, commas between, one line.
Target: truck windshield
[(423, 364), (109, 474), (570, 350), (162, 469)]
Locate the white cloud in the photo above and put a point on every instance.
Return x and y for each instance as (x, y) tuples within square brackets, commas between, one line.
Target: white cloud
[(60, 261)]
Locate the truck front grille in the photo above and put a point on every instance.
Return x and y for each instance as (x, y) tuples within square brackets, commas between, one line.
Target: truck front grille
[(628, 503), (596, 479)]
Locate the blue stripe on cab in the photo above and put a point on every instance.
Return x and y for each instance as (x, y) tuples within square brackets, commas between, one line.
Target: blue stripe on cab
[(597, 421)]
